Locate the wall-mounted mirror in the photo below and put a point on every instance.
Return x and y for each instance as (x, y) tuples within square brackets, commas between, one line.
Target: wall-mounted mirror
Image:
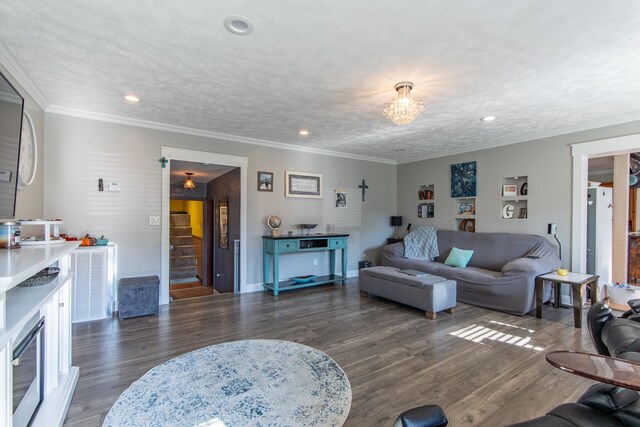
[(223, 223), (11, 104)]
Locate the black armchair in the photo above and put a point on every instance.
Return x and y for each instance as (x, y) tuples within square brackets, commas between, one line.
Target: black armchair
[(615, 336), (601, 405)]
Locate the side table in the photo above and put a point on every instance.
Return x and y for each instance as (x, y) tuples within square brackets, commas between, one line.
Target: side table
[(577, 282)]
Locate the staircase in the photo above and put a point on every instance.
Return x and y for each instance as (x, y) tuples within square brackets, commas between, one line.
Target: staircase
[(183, 260)]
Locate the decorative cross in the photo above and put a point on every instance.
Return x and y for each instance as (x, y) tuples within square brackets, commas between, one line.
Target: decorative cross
[(163, 161), (364, 188)]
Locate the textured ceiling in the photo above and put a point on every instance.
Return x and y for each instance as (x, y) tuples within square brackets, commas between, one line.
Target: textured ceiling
[(543, 67)]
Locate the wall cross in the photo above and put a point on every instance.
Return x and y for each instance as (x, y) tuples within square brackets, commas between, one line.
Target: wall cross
[(364, 187)]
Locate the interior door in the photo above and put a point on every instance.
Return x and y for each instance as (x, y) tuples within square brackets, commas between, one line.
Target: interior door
[(224, 191)]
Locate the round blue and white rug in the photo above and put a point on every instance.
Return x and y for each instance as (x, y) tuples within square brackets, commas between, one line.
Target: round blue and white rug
[(240, 383)]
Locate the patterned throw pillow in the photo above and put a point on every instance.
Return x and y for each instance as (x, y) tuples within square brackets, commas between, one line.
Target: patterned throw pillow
[(458, 257)]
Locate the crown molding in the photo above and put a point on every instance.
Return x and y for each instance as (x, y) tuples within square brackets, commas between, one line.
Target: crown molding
[(57, 109), (21, 77), (535, 136)]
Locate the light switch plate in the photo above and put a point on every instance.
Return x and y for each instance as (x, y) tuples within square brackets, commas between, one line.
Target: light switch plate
[(114, 186), (154, 220)]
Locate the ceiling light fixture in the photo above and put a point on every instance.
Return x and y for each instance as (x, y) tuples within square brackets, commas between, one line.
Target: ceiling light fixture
[(238, 25), (131, 98), (189, 182), (303, 132), (488, 118), (403, 109)]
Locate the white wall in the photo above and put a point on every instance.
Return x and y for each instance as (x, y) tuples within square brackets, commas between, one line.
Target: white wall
[(79, 151), (547, 163)]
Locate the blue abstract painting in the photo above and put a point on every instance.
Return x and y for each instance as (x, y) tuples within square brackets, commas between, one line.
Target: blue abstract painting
[(463, 179)]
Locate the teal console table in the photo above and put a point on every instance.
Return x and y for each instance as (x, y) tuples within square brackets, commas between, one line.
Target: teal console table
[(273, 247)]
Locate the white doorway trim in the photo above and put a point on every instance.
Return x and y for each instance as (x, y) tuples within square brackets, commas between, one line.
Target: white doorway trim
[(581, 154), (172, 153)]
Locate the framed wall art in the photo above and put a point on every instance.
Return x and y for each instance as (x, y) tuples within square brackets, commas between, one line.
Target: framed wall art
[(265, 181), (303, 184), (509, 190), (463, 179)]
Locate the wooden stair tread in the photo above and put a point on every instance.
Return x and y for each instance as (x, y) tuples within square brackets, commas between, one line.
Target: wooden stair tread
[(200, 291)]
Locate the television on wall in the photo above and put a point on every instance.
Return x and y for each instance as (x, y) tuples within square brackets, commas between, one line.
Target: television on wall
[(11, 108)]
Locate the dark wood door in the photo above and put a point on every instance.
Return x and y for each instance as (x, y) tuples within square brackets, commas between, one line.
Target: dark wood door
[(224, 190)]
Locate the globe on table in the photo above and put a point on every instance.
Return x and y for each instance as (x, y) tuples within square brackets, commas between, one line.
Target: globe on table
[(274, 222)]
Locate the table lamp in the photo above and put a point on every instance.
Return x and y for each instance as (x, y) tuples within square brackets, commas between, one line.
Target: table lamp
[(396, 221)]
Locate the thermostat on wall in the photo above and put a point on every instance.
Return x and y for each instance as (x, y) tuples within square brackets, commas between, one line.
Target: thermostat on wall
[(114, 186)]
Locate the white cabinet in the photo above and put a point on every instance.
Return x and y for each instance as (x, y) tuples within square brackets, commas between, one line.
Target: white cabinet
[(93, 270), (17, 307)]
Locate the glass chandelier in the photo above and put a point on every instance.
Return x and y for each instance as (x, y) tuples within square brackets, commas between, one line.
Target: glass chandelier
[(403, 109)]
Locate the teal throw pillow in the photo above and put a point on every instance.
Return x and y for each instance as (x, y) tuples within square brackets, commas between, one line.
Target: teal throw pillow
[(458, 257)]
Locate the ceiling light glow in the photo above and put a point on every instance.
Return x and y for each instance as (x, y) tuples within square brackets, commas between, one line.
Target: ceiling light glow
[(131, 98), (303, 132), (488, 118)]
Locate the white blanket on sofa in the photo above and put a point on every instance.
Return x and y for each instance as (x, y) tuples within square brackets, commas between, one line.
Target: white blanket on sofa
[(421, 244)]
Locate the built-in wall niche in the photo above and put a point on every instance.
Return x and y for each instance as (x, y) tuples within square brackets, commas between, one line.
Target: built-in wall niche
[(426, 201), (465, 214), (514, 193)]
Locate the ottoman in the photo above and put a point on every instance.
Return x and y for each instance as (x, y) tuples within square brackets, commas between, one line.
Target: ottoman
[(138, 296), (426, 292)]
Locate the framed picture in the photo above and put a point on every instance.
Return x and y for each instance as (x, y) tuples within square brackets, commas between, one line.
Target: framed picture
[(430, 210), (466, 209), (509, 190), (303, 184), (341, 199), (523, 213), (265, 181), (463, 179)]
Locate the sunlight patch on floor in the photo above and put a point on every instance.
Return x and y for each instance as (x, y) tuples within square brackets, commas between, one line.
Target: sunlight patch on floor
[(484, 334)]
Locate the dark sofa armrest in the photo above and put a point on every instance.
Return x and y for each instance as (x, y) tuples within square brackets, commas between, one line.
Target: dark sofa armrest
[(394, 250)]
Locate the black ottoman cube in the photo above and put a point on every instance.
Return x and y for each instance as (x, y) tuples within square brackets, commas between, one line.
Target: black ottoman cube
[(138, 296)]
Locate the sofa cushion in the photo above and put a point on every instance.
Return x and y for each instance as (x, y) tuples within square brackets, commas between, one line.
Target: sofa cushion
[(458, 257)]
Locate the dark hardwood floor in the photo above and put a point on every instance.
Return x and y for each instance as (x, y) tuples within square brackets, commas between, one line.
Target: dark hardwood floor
[(395, 358)]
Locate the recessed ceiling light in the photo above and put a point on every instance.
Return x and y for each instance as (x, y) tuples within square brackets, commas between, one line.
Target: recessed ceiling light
[(488, 118), (238, 25), (303, 132), (131, 98)]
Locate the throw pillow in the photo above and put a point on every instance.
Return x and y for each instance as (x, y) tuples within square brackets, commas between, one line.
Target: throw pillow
[(458, 257)]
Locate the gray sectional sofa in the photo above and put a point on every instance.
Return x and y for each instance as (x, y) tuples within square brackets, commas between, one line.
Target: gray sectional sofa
[(501, 273)]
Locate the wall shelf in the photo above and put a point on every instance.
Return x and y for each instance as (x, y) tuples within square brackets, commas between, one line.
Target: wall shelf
[(514, 194), (465, 214)]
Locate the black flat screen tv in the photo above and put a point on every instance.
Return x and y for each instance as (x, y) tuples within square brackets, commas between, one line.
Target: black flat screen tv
[(11, 107)]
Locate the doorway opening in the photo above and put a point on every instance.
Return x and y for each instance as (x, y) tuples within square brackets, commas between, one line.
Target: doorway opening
[(187, 261), (591, 154), (196, 218)]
